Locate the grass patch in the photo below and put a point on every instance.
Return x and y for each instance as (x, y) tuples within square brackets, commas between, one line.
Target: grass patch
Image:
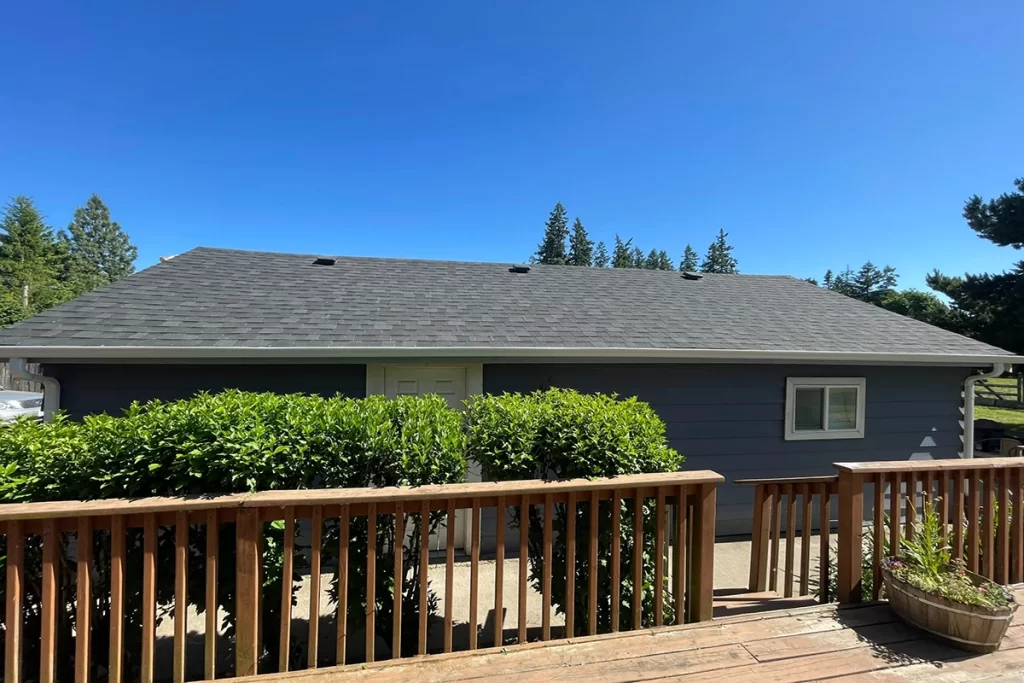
[(1013, 419)]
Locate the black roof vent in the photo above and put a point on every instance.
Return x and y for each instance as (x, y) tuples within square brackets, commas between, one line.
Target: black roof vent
[(688, 275), (324, 261), (519, 268)]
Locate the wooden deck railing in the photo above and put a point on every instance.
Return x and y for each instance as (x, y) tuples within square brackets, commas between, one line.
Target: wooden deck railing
[(771, 498), (979, 503), (686, 584)]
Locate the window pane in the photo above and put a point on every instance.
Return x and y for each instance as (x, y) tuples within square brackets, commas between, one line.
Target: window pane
[(842, 408), (807, 411)]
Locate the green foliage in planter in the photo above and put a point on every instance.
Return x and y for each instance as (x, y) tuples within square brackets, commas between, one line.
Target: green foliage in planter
[(562, 434), (224, 443), (924, 562)]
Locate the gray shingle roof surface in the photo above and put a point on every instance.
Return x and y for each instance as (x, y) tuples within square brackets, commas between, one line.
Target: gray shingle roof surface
[(217, 297)]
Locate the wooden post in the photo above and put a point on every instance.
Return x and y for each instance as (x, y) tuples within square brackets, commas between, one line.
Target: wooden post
[(759, 546), (247, 560), (48, 608), (702, 575), (15, 588), (851, 523)]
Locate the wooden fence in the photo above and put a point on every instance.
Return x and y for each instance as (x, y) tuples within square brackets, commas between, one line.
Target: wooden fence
[(683, 577), (1008, 393), (8, 382)]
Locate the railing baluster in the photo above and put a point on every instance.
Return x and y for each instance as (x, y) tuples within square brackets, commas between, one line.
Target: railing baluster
[(911, 516), (549, 510), (638, 558), (958, 515), (15, 589), (48, 613), (926, 487), (988, 522), (879, 536), (758, 579), (149, 549), (570, 566), (499, 572), (775, 532), (115, 664), (371, 580), (287, 575), (790, 492), (824, 530), (396, 592), (944, 502), (524, 561), (344, 522), (592, 566), (212, 623), (659, 558), (83, 620), (680, 555), (315, 549), (805, 539), (973, 520), (895, 504), (449, 574), (1003, 538), (474, 574), (180, 594), (248, 530), (424, 569), (1017, 570), (616, 562)]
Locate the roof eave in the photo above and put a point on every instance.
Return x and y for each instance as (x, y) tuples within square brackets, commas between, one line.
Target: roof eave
[(206, 353)]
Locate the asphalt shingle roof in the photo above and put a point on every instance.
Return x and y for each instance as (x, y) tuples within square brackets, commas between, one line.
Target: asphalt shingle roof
[(226, 298)]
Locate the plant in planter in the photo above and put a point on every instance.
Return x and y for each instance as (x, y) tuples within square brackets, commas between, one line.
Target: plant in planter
[(941, 597)]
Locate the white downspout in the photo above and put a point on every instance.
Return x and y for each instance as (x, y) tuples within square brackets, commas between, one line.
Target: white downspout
[(997, 369), (51, 387)]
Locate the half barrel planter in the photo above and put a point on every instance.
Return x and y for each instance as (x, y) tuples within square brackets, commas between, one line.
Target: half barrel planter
[(968, 627)]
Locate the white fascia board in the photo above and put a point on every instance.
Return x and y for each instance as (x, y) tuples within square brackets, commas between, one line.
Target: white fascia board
[(185, 353)]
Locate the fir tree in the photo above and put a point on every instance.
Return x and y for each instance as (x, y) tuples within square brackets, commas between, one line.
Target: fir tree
[(719, 258), (637, 256), (690, 261), (551, 250), (622, 257), (581, 247), (664, 262), (651, 262), (601, 259), (30, 263), (99, 252)]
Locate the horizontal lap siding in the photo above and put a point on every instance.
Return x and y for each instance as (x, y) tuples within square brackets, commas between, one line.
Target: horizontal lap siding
[(730, 418), (89, 388)]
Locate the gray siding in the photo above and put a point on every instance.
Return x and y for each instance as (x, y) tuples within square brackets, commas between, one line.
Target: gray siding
[(89, 388), (730, 418)]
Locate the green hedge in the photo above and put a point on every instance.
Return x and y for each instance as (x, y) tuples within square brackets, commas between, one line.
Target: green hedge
[(224, 443), (562, 434)]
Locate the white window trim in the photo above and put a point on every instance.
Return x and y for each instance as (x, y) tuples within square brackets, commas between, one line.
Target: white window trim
[(793, 383)]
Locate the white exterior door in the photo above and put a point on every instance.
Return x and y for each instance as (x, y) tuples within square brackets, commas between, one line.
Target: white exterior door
[(449, 382)]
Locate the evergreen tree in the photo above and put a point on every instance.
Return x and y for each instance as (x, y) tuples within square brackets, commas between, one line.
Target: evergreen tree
[(719, 258), (601, 259), (551, 250), (991, 306), (99, 251), (664, 262), (30, 263), (637, 256), (651, 262), (689, 262), (827, 281), (872, 284), (622, 257), (581, 247)]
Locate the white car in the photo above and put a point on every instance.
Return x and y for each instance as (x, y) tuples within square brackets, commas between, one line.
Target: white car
[(15, 404)]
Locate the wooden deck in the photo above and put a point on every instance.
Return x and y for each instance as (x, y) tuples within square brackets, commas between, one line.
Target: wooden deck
[(857, 643)]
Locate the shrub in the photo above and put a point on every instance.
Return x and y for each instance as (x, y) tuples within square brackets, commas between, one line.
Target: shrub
[(562, 434), (230, 442)]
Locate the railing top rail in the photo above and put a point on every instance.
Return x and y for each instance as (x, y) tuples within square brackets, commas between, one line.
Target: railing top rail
[(824, 479), (117, 506), (928, 465)]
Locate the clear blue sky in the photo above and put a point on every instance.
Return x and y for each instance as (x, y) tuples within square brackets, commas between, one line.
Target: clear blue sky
[(817, 133)]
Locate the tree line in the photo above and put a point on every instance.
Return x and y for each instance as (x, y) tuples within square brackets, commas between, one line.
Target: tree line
[(560, 247), (40, 268)]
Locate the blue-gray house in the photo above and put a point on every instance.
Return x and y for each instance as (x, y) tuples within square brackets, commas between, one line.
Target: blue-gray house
[(754, 375)]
